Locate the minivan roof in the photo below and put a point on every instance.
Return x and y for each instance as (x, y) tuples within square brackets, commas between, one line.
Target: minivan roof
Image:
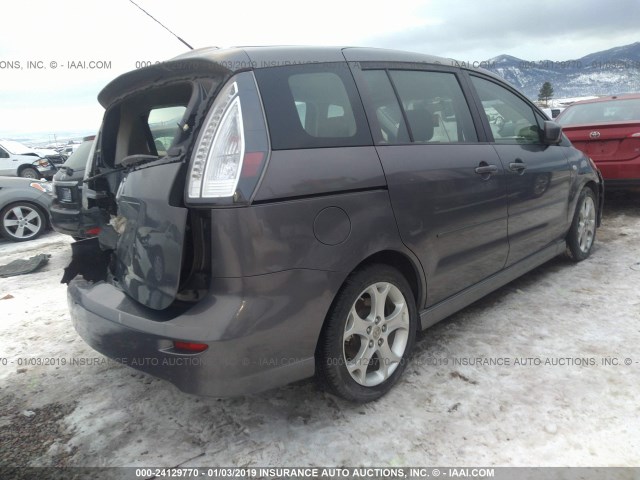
[(227, 61), (271, 56)]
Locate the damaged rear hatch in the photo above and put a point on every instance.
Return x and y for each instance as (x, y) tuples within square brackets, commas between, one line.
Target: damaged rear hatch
[(137, 176)]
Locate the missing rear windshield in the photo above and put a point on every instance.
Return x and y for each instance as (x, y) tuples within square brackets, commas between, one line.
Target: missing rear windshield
[(164, 125), (149, 123)]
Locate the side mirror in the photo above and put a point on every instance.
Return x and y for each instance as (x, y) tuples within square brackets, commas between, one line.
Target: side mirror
[(552, 133)]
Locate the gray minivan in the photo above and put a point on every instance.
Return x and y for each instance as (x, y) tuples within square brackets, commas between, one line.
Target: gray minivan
[(280, 212)]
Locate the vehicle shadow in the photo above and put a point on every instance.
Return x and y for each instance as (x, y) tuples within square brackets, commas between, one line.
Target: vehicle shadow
[(625, 201)]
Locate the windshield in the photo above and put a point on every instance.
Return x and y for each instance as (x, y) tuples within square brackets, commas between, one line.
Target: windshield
[(78, 160), (16, 148), (601, 112)]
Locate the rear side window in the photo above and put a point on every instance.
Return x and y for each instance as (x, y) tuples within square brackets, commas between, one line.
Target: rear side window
[(511, 119), (311, 106), (601, 112), (323, 105), (431, 104)]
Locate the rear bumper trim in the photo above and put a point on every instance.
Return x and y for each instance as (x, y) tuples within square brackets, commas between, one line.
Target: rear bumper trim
[(256, 340)]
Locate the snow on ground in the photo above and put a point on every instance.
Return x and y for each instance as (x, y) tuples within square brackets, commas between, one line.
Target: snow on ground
[(572, 412)]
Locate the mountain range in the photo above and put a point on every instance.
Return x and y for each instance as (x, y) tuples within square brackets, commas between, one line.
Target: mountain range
[(608, 72)]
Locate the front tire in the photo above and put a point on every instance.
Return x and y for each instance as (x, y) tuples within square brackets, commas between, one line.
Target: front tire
[(368, 335), (22, 221), (29, 172), (582, 233)]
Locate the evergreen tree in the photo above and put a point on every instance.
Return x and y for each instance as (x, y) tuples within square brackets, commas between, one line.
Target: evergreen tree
[(546, 92)]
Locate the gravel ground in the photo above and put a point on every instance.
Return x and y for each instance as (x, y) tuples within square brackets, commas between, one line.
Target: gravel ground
[(571, 409)]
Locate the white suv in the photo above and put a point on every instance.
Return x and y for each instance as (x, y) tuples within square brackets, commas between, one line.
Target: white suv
[(17, 160)]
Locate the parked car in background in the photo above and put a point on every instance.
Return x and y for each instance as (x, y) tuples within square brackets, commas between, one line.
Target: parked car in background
[(24, 207), (18, 160), (67, 214), (55, 158), (69, 148), (310, 210), (607, 130), (553, 112)]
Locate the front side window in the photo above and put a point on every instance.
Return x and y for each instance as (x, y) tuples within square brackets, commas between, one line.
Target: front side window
[(429, 107), (512, 120), (3, 153)]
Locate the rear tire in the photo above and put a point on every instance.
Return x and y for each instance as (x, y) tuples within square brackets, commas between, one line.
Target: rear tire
[(368, 335), (582, 233)]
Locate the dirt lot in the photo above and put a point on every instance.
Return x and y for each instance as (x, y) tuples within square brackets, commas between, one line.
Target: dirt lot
[(554, 404)]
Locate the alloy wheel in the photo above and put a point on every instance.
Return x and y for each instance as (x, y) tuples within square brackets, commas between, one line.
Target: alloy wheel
[(22, 222), (376, 334), (586, 224)]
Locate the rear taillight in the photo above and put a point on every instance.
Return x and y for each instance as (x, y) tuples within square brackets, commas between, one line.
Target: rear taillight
[(216, 163), (224, 162), (231, 148)]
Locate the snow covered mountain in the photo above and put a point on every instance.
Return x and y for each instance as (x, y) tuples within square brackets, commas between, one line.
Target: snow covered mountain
[(609, 72)]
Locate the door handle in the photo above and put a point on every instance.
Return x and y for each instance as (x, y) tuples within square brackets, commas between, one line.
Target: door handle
[(486, 169), (518, 166)]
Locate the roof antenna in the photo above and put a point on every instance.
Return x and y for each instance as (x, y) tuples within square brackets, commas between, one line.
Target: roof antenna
[(190, 47)]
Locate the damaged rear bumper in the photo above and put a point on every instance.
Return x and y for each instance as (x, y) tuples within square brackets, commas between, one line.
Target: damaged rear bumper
[(257, 339), (74, 222)]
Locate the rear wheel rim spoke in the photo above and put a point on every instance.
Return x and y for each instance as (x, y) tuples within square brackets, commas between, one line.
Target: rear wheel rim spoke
[(378, 324), (586, 224)]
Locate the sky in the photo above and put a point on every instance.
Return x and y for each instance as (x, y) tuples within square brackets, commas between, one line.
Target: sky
[(46, 88)]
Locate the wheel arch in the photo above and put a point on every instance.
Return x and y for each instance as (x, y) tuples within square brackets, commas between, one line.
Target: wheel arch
[(24, 166), (409, 268), (406, 266), (29, 202)]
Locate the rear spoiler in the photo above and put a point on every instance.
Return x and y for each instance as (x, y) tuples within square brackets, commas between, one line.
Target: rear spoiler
[(170, 71)]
